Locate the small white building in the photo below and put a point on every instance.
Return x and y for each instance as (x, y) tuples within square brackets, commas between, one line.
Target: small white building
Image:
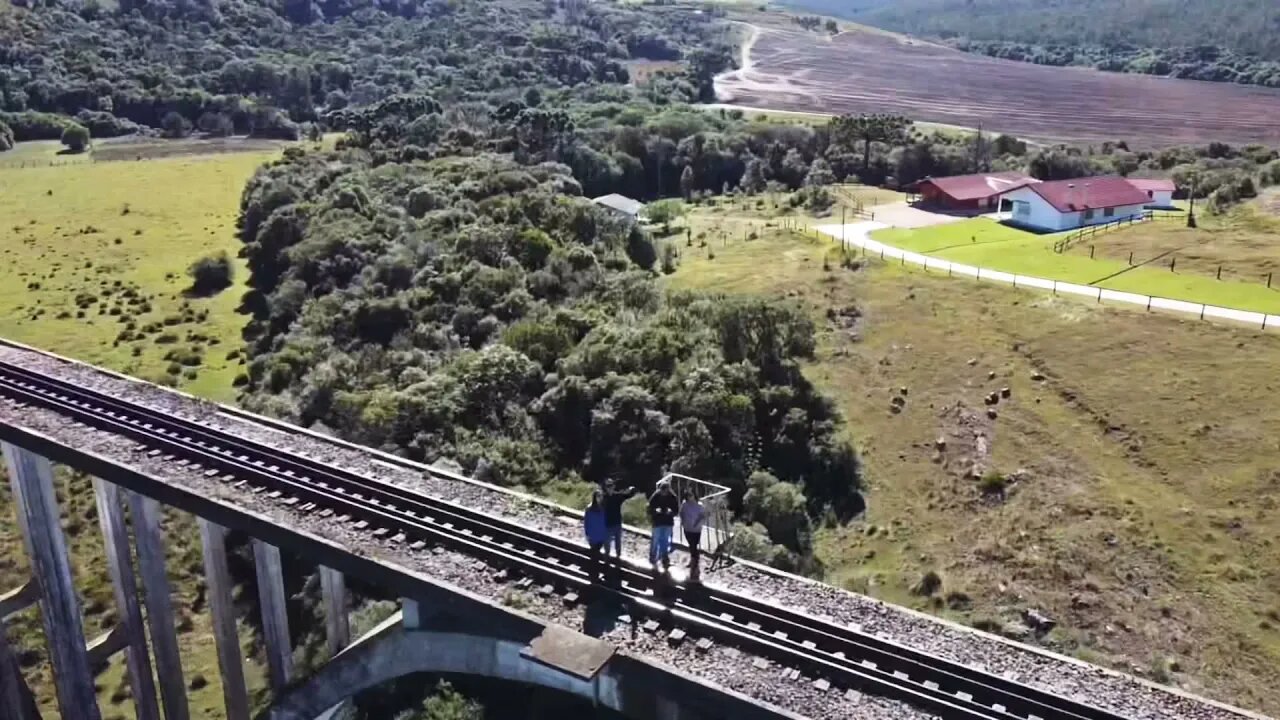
[(620, 204), (1070, 204), (1159, 192)]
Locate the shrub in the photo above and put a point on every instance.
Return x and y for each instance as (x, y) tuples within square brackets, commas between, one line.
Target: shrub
[(928, 584), (992, 483), (175, 126), (211, 274), (76, 137), (668, 258)]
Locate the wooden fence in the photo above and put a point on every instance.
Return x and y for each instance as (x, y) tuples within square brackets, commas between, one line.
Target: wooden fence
[(1062, 244)]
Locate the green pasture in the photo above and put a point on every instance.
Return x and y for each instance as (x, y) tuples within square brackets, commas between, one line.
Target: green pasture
[(985, 243)]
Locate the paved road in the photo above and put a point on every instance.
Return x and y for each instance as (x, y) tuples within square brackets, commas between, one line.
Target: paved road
[(858, 235)]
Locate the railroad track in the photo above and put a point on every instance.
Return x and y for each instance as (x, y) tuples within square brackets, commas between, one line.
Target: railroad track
[(842, 656)]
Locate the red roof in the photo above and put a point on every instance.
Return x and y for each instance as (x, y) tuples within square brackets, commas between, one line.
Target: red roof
[(1089, 193), (1147, 184), (976, 187)]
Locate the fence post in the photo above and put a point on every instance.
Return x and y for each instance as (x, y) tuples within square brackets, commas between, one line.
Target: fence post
[(1091, 249), (1173, 261), (1148, 303), (1055, 287), (1219, 272), (1130, 258), (1099, 296), (1202, 311), (1268, 281)]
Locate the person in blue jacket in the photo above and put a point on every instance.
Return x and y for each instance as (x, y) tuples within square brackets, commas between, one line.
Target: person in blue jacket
[(595, 527)]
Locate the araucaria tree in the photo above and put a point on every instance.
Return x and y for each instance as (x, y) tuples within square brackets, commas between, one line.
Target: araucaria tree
[(848, 130)]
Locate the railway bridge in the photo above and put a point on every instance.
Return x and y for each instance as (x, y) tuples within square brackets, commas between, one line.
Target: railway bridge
[(749, 643)]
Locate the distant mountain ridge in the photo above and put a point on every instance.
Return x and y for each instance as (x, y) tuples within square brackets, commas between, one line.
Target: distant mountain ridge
[(1250, 27)]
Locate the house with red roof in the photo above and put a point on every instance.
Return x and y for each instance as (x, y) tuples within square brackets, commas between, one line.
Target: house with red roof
[(1159, 192), (968, 193), (1070, 204)]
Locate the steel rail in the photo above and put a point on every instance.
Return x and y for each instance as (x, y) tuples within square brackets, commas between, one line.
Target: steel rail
[(847, 656)]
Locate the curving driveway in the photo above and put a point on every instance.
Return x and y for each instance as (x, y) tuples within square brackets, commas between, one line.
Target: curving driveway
[(858, 235)]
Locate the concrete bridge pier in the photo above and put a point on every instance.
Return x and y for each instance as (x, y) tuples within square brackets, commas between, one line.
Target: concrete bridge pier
[(218, 586), (275, 614), (15, 696), (159, 598), (115, 535), (31, 477)]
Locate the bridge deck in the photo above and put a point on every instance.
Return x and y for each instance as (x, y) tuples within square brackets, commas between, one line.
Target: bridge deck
[(410, 571)]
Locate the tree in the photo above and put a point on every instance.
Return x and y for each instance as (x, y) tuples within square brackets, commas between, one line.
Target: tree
[(663, 212), (211, 274), (175, 126), (215, 124), (753, 179), (846, 130), (686, 183), (819, 174), (76, 137), (780, 507)]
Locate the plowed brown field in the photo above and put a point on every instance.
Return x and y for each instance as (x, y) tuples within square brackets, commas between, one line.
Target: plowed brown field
[(863, 71)]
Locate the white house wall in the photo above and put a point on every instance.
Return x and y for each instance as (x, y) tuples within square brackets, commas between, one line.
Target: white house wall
[(1044, 216)]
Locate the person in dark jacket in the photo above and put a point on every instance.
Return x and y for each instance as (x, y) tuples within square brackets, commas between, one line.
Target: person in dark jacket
[(613, 500), (596, 529), (662, 514)]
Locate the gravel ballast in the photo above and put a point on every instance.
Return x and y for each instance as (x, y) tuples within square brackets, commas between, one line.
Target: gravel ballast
[(1107, 689)]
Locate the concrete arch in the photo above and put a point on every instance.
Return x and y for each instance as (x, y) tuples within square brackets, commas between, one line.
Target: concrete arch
[(392, 652)]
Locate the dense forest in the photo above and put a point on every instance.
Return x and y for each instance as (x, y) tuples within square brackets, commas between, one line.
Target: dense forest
[(1217, 40)]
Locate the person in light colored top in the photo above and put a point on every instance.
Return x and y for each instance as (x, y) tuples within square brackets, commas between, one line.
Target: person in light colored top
[(692, 515)]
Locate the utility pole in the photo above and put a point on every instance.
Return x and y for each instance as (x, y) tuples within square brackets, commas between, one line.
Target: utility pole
[(843, 247), (1191, 215)]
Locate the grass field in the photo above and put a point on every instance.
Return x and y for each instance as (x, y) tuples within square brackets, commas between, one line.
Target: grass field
[(86, 251), (1131, 494), (985, 243), (95, 259), (41, 153)]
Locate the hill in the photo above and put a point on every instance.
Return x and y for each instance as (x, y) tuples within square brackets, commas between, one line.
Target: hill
[(1224, 40)]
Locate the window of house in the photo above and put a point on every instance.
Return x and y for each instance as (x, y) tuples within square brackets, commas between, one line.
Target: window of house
[(1150, 194), (1088, 214), (1109, 212)]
